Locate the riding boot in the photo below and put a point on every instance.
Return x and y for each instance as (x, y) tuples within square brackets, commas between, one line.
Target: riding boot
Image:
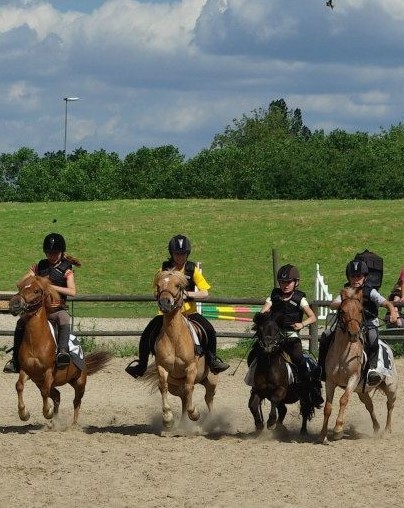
[(310, 386), (323, 347), (147, 343), (374, 377), (63, 357), (253, 353), (216, 365), (12, 366), (144, 351)]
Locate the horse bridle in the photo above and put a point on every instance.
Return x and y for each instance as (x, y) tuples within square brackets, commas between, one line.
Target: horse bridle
[(35, 304), (177, 297), (343, 324)]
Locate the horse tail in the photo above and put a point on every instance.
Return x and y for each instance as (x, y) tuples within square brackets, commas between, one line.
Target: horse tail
[(97, 360), (151, 378)]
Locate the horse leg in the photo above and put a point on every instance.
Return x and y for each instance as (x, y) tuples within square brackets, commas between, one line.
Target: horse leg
[(391, 399), (168, 417), (330, 390), (79, 386), (254, 405), (192, 410), (272, 417), (45, 388), (23, 413), (366, 399), (55, 396), (210, 390), (343, 402)]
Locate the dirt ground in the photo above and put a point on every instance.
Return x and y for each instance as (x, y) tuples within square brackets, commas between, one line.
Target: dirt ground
[(118, 457)]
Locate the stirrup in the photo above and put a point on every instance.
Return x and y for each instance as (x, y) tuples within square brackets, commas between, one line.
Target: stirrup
[(10, 367), (62, 359)]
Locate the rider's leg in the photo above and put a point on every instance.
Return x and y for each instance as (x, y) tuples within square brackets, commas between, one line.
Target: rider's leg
[(146, 346), (323, 347), (253, 353), (374, 377), (215, 363), (310, 387), (62, 318), (12, 366)]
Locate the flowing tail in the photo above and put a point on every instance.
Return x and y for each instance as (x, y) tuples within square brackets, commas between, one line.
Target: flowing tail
[(97, 360)]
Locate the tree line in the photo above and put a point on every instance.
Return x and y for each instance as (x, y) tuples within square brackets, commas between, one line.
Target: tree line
[(269, 154)]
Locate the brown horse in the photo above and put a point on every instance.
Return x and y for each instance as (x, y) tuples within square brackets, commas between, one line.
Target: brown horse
[(344, 366), (37, 352), (178, 367)]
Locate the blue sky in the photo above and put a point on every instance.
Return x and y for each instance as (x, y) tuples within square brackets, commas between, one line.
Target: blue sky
[(151, 73)]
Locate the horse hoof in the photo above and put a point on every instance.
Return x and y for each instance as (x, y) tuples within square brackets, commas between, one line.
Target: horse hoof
[(49, 415), (338, 435), (24, 416), (194, 415)]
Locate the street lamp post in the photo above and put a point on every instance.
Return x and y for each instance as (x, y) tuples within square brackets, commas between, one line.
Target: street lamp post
[(67, 99)]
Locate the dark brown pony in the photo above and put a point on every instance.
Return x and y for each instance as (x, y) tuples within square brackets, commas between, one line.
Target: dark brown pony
[(37, 352), (344, 367), (178, 367), (271, 379)]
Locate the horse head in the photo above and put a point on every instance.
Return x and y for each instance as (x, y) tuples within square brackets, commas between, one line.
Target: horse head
[(268, 332), (34, 292), (351, 312), (170, 287)]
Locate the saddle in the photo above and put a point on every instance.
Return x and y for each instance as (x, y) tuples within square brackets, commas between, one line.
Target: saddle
[(199, 336)]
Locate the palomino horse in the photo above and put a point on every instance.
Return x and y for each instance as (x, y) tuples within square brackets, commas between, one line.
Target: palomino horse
[(37, 352), (271, 379), (178, 367), (344, 366)]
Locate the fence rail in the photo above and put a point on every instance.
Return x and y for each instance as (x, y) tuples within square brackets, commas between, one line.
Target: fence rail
[(387, 334)]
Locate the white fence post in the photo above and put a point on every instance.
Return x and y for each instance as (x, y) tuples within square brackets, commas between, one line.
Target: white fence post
[(321, 293)]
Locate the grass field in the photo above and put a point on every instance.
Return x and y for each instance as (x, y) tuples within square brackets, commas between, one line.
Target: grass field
[(122, 243)]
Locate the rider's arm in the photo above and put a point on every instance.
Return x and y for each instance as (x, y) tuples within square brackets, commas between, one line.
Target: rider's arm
[(309, 319), (70, 290), (393, 311), (202, 285)]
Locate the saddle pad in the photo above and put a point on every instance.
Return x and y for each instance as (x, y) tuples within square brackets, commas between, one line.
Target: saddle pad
[(385, 360), (75, 349), (249, 377), (192, 330)]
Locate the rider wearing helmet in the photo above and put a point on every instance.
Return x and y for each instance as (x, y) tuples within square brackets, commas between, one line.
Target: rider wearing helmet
[(356, 272), (58, 266), (289, 308), (179, 248)]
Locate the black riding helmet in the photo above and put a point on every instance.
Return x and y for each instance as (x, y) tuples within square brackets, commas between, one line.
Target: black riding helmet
[(54, 242), (287, 273), (356, 268), (179, 244)]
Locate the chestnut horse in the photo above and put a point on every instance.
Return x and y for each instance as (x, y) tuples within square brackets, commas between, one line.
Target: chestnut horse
[(37, 353), (344, 366), (178, 367)]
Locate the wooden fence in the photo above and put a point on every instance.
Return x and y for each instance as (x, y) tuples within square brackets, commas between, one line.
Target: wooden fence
[(387, 334)]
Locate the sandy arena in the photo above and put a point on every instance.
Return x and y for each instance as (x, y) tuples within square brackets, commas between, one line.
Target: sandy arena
[(118, 457)]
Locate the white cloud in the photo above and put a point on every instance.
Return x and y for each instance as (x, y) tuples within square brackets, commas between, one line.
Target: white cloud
[(177, 72)]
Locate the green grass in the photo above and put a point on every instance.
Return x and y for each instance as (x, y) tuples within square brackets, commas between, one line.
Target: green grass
[(122, 243)]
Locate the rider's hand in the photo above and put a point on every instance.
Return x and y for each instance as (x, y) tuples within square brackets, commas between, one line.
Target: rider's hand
[(298, 326)]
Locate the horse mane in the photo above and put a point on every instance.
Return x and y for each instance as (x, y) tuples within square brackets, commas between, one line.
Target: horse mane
[(350, 292), (170, 273), (45, 284)]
